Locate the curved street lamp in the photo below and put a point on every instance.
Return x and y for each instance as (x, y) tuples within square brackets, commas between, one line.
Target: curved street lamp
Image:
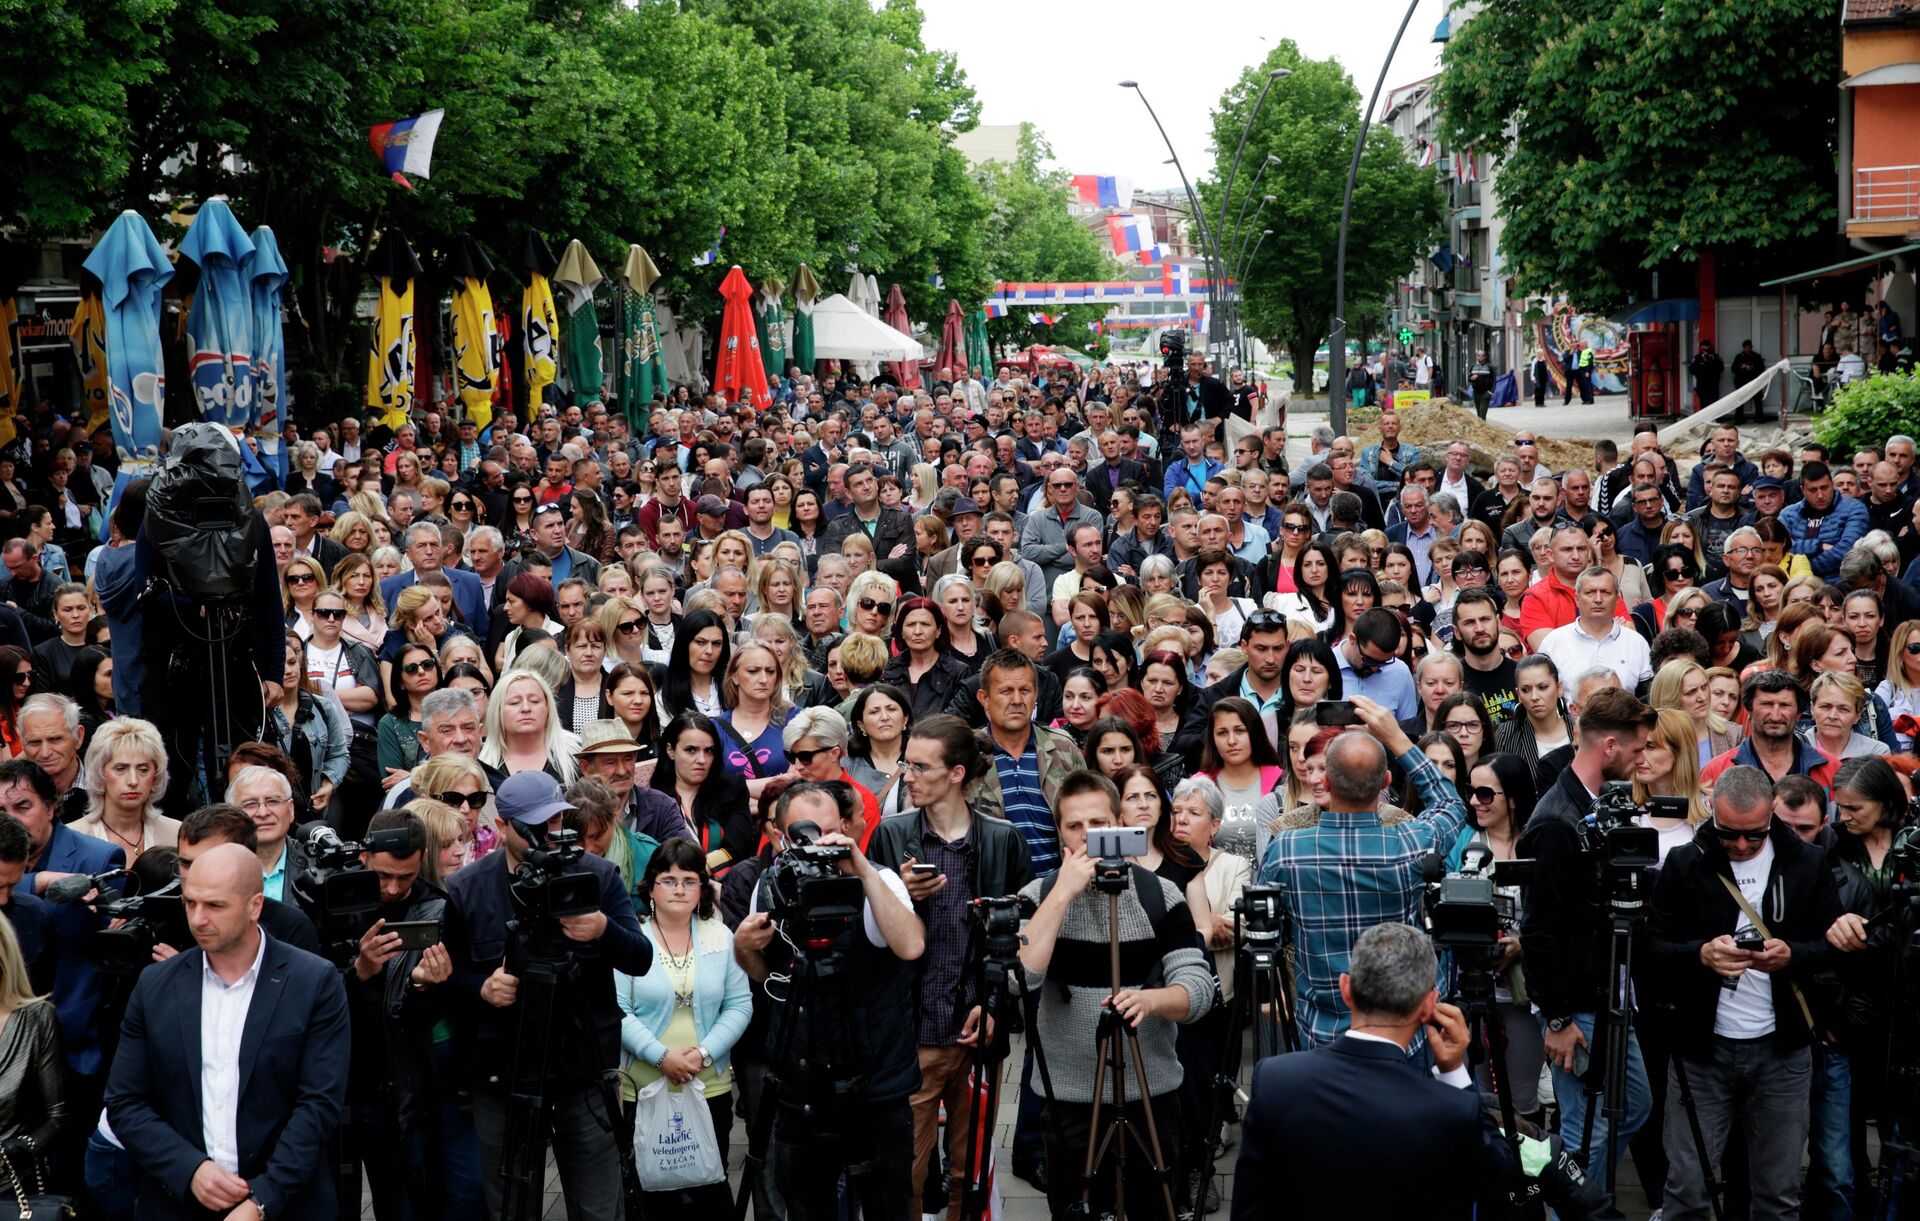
[(1209, 250), (1226, 195), (1240, 277)]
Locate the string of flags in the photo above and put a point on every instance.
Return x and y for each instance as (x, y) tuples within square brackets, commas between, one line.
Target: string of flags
[(1043, 319)]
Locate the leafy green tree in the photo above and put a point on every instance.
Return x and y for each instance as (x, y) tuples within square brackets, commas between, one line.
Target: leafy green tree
[(1030, 236), (1309, 123), (1637, 135)]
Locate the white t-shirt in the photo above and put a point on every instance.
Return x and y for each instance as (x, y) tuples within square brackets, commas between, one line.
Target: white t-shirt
[(329, 666), (1746, 1012)]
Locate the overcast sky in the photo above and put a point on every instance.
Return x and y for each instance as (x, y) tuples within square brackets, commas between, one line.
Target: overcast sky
[(1055, 64)]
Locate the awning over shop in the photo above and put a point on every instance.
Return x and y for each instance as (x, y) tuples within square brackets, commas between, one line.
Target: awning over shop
[(1865, 260), (1667, 309)]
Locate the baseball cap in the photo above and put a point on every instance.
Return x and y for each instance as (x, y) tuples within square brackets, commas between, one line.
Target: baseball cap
[(606, 737), (1769, 481), (530, 798), (711, 506)]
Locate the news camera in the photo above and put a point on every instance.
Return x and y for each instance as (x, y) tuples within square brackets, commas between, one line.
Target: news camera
[(1464, 910), (336, 889), (144, 922), (543, 890), (808, 895), (1622, 847)]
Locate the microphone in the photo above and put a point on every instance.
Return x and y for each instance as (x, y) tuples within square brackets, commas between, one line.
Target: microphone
[(79, 886), (1432, 868)]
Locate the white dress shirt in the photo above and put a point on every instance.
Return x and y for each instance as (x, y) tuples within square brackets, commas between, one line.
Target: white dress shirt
[(223, 1016), (1621, 650), (1458, 1077)]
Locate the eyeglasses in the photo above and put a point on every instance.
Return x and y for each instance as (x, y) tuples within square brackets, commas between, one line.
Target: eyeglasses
[(804, 757), (471, 800), (1481, 795), (330, 612), (262, 805), (1752, 837), (920, 769), (1743, 551), (874, 605), (414, 667), (677, 883), (1460, 726), (1460, 568)]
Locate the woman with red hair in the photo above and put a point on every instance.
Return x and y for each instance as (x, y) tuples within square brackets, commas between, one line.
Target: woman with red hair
[(1132, 707)]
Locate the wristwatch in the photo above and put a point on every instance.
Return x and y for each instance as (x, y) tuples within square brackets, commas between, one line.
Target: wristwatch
[(706, 1057), (1556, 1025), (258, 1207)]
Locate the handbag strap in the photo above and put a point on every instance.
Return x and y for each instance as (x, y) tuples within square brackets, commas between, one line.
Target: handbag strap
[(19, 1191), (1753, 918)]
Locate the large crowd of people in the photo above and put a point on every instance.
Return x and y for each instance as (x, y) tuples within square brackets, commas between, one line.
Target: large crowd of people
[(920, 633)]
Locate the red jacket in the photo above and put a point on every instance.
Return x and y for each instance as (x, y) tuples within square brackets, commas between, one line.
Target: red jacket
[(1550, 603)]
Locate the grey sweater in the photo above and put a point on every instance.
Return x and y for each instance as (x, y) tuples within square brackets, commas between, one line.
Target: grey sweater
[(1078, 979)]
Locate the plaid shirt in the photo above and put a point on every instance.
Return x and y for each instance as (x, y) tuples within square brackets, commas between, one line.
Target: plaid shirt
[(1348, 874)]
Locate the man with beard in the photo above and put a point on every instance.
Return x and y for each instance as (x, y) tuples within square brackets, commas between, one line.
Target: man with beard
[(1774, 702), (1484, 669)]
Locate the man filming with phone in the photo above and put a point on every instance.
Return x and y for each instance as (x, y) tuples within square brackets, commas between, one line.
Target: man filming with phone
[(1166, 980), (389, 1080), (1349, 872)]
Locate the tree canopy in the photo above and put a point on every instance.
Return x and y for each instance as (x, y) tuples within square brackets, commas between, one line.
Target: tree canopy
[(1308, 124), (1029, 235), (1634, 134)]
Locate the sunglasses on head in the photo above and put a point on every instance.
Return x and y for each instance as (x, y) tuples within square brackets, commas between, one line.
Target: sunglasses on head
[(474, 801), (414, 667), (1752, 837), (874, 604)]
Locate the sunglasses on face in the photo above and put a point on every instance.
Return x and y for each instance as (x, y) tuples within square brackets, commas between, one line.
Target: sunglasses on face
[(523, 500), (872, 605), (461, 506), (474, 801), (804, 757), (1294, 527), (302, 578), (330, 612), (630, 627), (1481, 795), (1679, 574), (414, 667), (1728, 834), (25, 676)]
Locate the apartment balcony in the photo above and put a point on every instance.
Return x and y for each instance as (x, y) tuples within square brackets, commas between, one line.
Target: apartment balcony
[(1886, 193)]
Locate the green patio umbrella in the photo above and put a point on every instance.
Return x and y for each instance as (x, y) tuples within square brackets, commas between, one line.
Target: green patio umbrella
[(576, 278), (806, 290), (979, 349), (643, 372), (772, 320)]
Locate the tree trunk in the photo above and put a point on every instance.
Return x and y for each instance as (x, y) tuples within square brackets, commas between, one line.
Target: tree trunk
[(1302, 343)]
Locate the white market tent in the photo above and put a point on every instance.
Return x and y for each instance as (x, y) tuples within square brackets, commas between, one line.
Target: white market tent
[(844, 331)]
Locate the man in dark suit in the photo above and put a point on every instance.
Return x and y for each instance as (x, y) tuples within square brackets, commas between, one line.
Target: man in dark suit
[(1113, 471), (425, 548), (236, 1125), (301, 514), (1321, 1125)]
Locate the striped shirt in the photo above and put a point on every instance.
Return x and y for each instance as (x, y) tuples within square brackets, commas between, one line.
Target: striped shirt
[(1025, 805), (1348, 873)]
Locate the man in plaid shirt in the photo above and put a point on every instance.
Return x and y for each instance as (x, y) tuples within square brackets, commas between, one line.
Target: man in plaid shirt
[(1349, 873)]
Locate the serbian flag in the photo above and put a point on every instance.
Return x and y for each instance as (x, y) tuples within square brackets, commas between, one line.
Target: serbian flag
[(1160, 250), (405, 146), (1102, 192), (1426, 155), (1131, 234), (1041, 319)]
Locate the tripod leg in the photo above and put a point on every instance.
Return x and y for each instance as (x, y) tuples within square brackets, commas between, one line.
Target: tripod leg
[(1707, 1170), (1096, 1144), (1156, 1157)]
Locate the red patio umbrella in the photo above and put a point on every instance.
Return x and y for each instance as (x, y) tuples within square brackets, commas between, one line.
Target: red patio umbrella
[(906, 372), (738, 366), (953, 342)]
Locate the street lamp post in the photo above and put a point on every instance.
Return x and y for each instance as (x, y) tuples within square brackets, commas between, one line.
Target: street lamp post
[(1236, 246), (1240, 277), (1238, 238), (1226, 194), (1209, 251), (1337, 344)]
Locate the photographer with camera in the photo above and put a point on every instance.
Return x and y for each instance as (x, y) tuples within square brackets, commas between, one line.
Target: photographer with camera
[(1740, 980), (1350, 871), (845, 1056), (1565, 924), (948, 855), (1165, 980), (494, 935), (390, 1082)]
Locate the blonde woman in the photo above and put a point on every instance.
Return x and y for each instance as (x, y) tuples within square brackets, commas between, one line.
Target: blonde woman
[(32, 1104), (125, 776), (1671, 768), (806, 688), (857, 550), (462, 650), (616, 582), (755, 693), (870, 602), (1901, 687), (1682, 685), (779, 590), (300, 583), (449, 839), (354, 531), (733, 549), (371, 508), (1683, 533), (386, 562), (523, 730), (460, 782), (926, 485), (626, 627), (1836, 702), (366, 621)]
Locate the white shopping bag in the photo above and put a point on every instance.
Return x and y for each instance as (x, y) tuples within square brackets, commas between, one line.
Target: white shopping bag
[(673, 1141)]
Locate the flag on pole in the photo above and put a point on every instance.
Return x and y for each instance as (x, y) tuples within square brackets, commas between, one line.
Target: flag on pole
[(1102, 192), (539, 321), (405, 146), (1130, 233), (1426, 154), (576, 278), (89, 338), (476, 376), (1042, 319), (1159, 251), (391, 355), (712, 254)]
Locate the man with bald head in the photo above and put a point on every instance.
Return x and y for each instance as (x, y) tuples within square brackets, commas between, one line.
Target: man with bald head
[(232, 1070), (1348, 872)]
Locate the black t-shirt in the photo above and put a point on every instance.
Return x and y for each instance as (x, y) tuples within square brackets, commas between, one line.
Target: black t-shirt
[(1495, 688)]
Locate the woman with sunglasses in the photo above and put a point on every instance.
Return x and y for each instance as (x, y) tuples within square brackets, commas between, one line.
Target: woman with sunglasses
[(365, 621), (712, 799), (1672, 571), (871, 599), (311, 726), (1900, 689), (463, 511), (1237, 755), (1543, 726), (626, 628), (414, 676), (1630, 577), (300, 583), (1278, 573), (1311, 598), (517, 521), (1500, 800), (1680, 532), (1671, 768)]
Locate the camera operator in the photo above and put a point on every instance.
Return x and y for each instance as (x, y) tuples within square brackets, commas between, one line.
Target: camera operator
[(389, 1081), (948, 855), (487, 959), (1564, 922), (1350, 872), (1739, 981), (1317, 1123), (1166, 979), (869, 1137)]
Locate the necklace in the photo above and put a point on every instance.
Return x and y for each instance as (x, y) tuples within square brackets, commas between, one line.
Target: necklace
[(134, 847), (679, 967)]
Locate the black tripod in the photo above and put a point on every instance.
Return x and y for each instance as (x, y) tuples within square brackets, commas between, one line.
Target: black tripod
[(822, 1075), (543, 967), (1119, 1043), (993, 947), (1475, 994), (1263, 995)]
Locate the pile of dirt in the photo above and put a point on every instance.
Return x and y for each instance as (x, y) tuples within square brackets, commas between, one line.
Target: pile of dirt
[(1434, 426)]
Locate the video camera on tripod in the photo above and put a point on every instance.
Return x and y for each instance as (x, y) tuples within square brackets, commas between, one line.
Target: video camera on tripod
[(1465, 910), (807, 894), (146, 920), (336, 889), (1622, 849)]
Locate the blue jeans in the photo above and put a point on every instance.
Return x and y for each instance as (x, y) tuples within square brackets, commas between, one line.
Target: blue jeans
[(1570, 1094), (109, 1171), (1830, 1171)]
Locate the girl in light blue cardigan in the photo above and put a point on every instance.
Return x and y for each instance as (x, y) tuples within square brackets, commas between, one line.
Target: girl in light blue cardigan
[(684, 1016)]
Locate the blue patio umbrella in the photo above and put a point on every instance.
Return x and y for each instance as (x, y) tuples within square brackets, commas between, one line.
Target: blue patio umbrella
[(266, 279), (220, 327), (132, 269)]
